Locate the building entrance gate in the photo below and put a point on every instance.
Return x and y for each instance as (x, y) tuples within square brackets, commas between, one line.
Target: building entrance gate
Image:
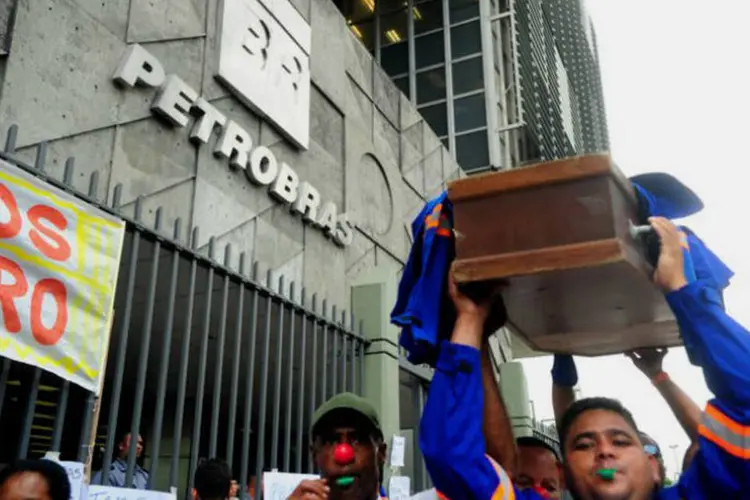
[(206, 360)]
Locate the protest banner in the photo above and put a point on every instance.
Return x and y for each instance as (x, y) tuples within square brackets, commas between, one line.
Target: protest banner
[(59, 261)]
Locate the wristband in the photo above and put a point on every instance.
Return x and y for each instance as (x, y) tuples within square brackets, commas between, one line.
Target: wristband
[(564, 371), (659, 378)]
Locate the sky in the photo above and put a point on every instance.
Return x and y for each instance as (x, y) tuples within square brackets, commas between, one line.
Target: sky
[(676, 78)]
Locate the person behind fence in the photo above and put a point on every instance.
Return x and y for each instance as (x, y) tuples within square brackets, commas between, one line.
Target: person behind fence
[(119, 467), (604, 457), (212, 480), (349, 450), (34, 480)]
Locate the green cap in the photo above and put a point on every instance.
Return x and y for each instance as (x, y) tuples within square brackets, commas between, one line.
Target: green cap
[(351, 402)]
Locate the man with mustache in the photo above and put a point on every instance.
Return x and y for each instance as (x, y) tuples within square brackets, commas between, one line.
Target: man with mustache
[(604, 458)]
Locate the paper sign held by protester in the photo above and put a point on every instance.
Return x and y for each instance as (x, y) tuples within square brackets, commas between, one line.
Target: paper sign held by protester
[(279, 485), (98, 492), (75, 472), (426, 495), (399, 488), (59, 259), (398, 450)]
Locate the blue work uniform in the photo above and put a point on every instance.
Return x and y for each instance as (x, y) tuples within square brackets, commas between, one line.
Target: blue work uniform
[(452, 439), (423, 309)]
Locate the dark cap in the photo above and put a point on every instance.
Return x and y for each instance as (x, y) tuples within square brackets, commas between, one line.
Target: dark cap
[(347, 401), (667, 196)]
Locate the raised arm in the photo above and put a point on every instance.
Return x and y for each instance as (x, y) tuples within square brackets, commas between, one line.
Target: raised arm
[(498, 432), (721, 347), (564, 380), (687, 412), (452, 440)]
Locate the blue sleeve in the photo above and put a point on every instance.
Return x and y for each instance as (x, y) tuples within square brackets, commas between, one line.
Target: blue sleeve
[(451, 437), (721, 347)]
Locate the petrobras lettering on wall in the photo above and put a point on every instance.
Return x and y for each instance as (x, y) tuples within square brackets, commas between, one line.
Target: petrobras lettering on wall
[(176, 101), (264, 60)]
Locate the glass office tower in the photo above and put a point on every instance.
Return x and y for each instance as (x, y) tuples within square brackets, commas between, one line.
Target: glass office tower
[(502, 82)]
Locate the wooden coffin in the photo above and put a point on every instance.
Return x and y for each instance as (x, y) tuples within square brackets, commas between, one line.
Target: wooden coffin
[(558, 233)]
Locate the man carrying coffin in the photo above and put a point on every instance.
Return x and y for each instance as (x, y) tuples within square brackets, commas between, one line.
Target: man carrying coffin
[(602, 452)]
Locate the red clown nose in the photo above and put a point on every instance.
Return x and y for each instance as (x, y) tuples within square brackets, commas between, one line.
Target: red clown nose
[(343, 454)]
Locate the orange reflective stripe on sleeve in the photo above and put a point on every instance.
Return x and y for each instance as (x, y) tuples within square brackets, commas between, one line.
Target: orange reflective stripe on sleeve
[(504, 489), (730, 436)]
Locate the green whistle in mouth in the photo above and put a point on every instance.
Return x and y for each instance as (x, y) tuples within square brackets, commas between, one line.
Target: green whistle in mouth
[(345, 481), (606, 474)]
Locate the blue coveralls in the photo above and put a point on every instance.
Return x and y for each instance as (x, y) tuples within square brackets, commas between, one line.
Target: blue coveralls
[(452, 440)]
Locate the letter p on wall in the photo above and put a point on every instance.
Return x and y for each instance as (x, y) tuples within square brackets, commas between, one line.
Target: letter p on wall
[(138, 66)]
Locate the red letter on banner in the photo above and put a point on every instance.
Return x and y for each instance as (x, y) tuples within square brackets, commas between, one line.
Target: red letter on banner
[(11, 228), (59, 249), (42, 334), (8, 293)]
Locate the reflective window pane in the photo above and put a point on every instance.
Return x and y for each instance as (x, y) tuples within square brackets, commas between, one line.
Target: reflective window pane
[(436, 117), (472, 151), (431, 85), (403, 85), (468, 76), (360, 10), (470, 112), (394, 58), (365, 32), (461, 10), (428, 16), (430, 49), (465, 40)]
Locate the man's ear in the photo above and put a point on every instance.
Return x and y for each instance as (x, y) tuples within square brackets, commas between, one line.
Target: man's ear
[(561, 472), (382, 452), (194, 494), (654, 463)]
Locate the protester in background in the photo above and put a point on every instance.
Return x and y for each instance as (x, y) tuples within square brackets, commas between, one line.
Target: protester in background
[(603, 455), (653, 450), (234, 490), (349, 450), (118, 470), (212, 480), (34, 480), (538, 468)]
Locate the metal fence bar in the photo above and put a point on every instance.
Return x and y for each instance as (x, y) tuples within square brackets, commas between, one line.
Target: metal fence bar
[(250, 377), (161, 391), (290, 384), (314, 373), (201, 382), (344, 353), (28, 419), (353, 353), (260, 452), (62, 407), (423, 468), (216, 407), (235, 384), (324, 376), (148, 322), (334, 352), (88, 416), (277, 386), (114, 403), (174, 468), (360, 382), (4, 382), (301, 387)]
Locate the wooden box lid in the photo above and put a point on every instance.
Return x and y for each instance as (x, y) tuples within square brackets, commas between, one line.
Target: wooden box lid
[(559, 234)]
